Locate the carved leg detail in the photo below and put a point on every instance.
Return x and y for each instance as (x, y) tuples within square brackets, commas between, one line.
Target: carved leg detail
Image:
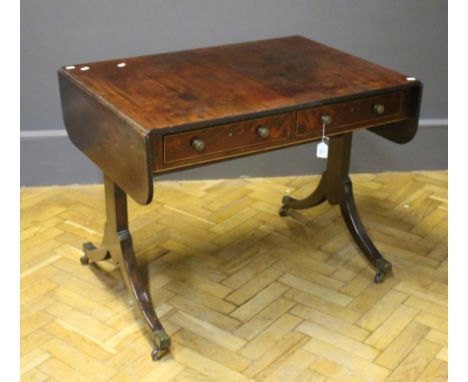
[(117, 245), (359, 233), (335, 186)]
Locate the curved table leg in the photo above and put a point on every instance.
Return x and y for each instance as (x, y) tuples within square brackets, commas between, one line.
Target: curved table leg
[(314, 199), (135, 285), (335, 186), (117, 244), (359, 233)]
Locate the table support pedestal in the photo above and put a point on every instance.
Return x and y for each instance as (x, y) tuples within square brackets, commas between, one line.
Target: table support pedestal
[(336, 187), (117, 245)]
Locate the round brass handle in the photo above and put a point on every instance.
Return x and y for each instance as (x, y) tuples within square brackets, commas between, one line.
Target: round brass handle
[(198, 144), (263, 132), (326, 119), (379, 108)]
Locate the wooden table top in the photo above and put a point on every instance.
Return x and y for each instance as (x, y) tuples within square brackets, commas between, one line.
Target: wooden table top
[(193, 88)]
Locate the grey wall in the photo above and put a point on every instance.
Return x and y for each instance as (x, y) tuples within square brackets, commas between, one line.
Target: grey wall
[(409, 36)]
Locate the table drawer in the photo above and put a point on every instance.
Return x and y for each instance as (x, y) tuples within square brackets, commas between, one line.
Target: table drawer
[(233, 139), (349, 115)]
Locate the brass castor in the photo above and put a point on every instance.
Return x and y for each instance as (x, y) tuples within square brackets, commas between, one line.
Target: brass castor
[(157, 353), (384, 268), (84, 260), (162, 344), (87, 247), (379, 277), (286, 200), (283, 211), (285, 208)]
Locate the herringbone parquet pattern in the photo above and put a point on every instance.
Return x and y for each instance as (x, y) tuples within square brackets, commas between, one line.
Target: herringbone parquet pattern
[(245, 294)]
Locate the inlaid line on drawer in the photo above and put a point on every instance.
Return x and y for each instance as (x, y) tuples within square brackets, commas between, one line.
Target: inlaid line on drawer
[(384, 108), (218, 141)]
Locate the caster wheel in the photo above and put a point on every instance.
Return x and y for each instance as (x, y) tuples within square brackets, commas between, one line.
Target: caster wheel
[(379, 277), (283, 211), (84, 260), (88, 247), (157, 354), (287, 199)]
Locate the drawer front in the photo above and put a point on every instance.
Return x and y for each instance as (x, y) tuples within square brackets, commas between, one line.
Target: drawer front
[(350, 115), (217, 142)]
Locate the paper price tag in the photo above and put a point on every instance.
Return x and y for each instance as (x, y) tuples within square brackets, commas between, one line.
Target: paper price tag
[(322, 147), (322, 150)]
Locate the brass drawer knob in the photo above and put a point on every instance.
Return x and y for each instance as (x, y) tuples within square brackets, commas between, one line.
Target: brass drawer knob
[(263, 132), (326, 119), (379, 108), (198, 144)]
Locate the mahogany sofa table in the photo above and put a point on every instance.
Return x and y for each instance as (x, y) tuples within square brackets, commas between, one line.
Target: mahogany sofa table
[(143, 116)]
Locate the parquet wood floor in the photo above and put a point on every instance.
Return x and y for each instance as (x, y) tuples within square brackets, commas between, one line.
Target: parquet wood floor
[(244, 293)]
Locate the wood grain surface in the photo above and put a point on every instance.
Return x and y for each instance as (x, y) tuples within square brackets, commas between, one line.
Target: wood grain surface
[(113, 142), (123, 113), (195, 87)]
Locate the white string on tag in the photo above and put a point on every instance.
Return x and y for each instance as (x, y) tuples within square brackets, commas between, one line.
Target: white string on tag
[(322, 147)]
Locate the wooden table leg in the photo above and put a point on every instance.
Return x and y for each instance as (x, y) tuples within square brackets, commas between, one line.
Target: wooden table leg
[(117, 245), (336, 187)]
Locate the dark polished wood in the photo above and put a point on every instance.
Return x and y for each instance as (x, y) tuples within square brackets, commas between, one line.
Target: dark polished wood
[(145, 100), (117, 245), (180, 90), (143, 116), (336, 187), (349, 115), (111, 140), (226, 140)]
